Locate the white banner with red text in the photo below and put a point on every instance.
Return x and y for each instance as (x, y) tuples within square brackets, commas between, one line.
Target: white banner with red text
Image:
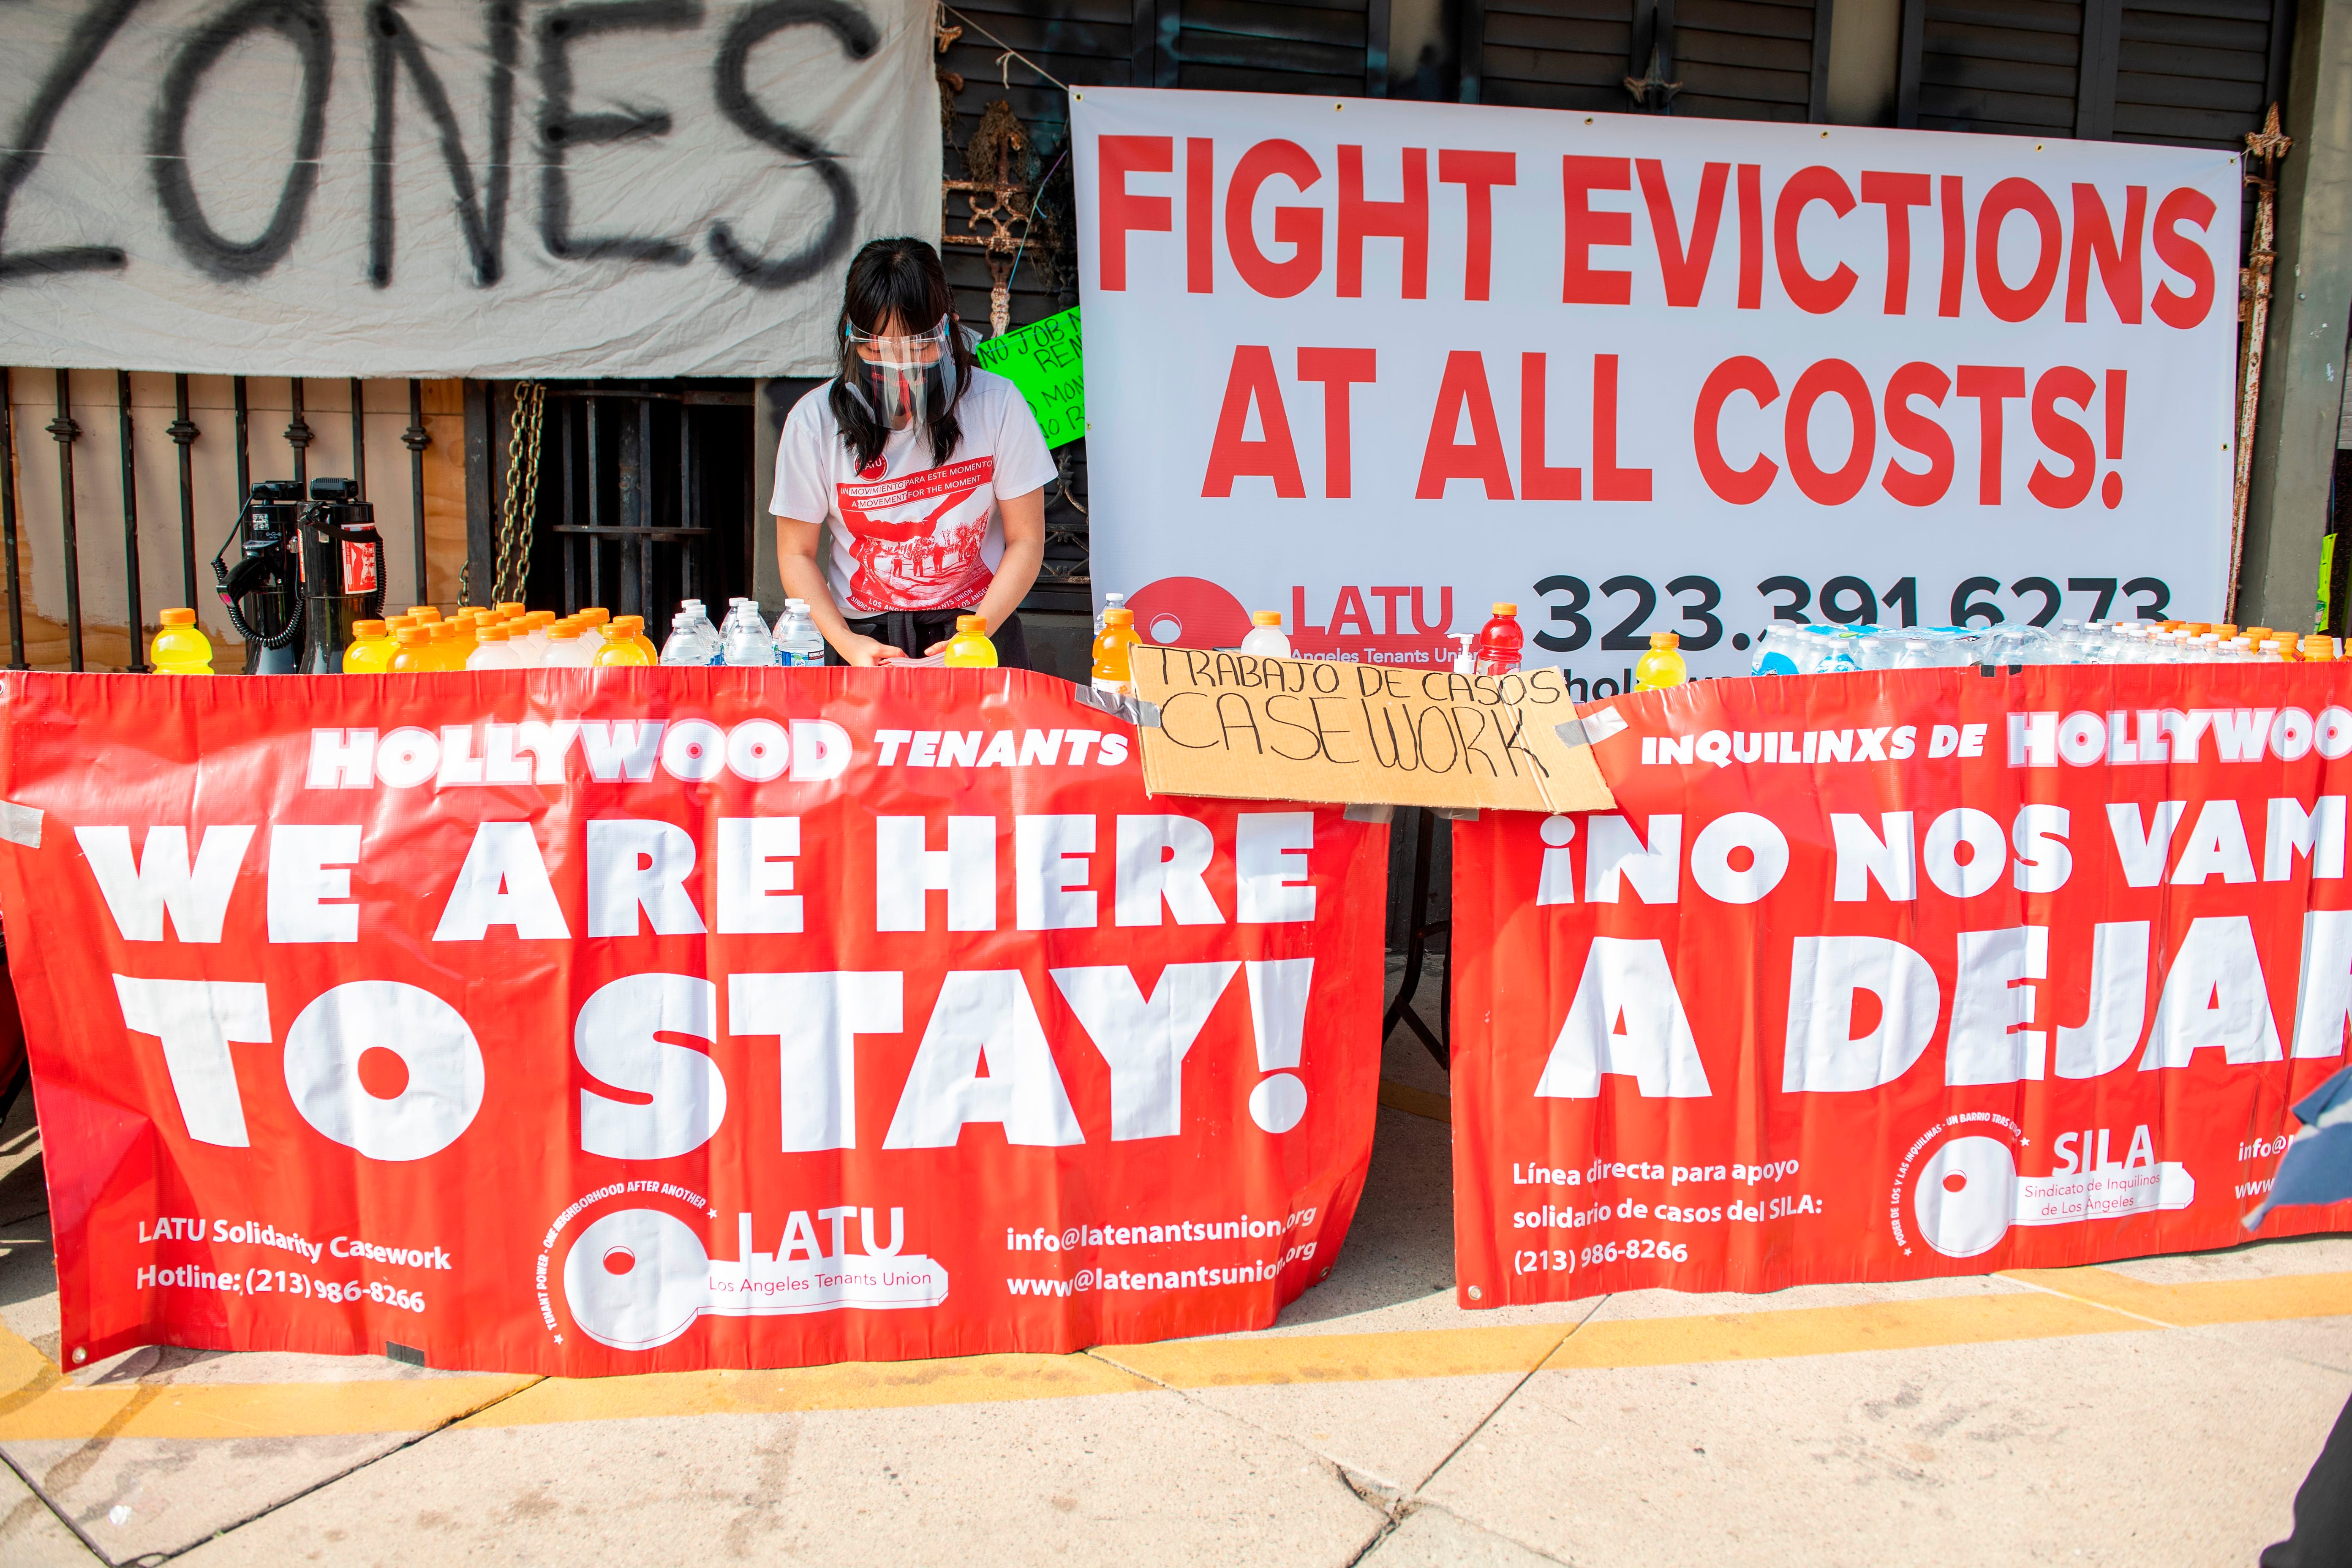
[(1640, 374), (646, 1019), (1888, 975)]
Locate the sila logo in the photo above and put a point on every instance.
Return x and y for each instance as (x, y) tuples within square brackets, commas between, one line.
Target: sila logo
[(638, 1277), (1970, 1192)]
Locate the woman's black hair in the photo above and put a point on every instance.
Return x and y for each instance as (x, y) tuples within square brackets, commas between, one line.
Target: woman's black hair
[(899, 278)]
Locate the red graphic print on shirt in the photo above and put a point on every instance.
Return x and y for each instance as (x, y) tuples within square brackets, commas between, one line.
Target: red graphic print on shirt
[(917, 538)]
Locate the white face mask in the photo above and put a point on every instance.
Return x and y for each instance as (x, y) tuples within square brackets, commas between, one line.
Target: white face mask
[(905, 379)]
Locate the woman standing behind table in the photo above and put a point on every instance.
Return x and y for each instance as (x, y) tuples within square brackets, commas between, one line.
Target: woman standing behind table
[(911, 487)]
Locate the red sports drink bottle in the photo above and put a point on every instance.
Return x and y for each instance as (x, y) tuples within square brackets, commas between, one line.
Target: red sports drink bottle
[(1500, 642)]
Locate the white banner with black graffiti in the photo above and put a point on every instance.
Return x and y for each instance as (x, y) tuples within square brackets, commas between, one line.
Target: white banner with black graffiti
[(453, 187)]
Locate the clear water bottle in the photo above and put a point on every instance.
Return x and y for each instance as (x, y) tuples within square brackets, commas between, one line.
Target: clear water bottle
[(684, 646), (1777, 652), (798, 645), (747, 642), (705, 634)]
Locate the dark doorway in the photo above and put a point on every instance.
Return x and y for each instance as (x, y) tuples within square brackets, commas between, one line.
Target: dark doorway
[(644, 496)]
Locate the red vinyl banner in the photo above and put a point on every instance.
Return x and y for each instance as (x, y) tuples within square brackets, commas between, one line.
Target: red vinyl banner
[(586, 1023), (1886, 975)]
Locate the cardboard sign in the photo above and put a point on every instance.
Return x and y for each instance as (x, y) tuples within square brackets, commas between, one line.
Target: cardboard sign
[(1245, 728), (1041, 360)]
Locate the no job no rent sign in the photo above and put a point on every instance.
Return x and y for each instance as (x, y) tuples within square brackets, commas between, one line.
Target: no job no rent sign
[(1377, 365)]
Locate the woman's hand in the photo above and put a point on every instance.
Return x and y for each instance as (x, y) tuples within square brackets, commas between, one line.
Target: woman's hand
[(866, 652)]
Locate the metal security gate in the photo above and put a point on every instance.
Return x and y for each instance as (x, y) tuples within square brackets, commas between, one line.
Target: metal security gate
[(643, 496)]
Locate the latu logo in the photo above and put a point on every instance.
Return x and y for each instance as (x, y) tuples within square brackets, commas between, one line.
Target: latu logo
[(638, 1279), (1188, 612)]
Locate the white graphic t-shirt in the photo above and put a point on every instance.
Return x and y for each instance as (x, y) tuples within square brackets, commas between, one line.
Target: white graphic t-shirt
[(904, 534)]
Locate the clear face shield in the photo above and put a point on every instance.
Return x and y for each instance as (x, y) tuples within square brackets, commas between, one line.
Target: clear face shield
[(907, 378)]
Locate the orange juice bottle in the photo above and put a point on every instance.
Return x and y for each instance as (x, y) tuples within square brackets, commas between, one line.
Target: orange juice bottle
[(618, 648), (414, 654), (635, 630), (180, 648), (371, 649), (1114, 663)]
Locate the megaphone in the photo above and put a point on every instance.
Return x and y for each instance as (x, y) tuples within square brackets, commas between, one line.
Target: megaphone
[(262, 593), (343, 571)]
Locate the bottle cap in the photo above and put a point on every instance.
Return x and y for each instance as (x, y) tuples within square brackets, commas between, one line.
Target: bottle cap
[(540, 620), (594, 615), (976, 625), (1503, 609), (1666, 639), (494, 634), (1265, 617), (635, 622), (359, 628), (511, 606), (425, 612), (614, 631), (1116, 617), (410, 637), (1114, 598), (564, 631), (177, 618)]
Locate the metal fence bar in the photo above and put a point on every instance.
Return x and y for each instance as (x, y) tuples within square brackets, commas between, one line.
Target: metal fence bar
[(65, 431), (8, 518), (637, 504), (298, 436), (596, 547), (135, 624), (686, 513), (244, 442), (570, 546), (359, 442), (416, 439), (184, 433)]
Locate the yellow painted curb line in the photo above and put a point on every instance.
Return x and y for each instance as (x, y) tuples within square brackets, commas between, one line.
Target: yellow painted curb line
[(252, 1409), (41, 1405), (2206, 1301)]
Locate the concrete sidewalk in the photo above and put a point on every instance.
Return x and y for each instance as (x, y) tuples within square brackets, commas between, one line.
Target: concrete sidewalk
[(2157, 1412)]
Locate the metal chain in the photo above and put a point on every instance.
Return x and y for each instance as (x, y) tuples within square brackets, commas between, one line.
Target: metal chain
[(522, 492), (512, 569)]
